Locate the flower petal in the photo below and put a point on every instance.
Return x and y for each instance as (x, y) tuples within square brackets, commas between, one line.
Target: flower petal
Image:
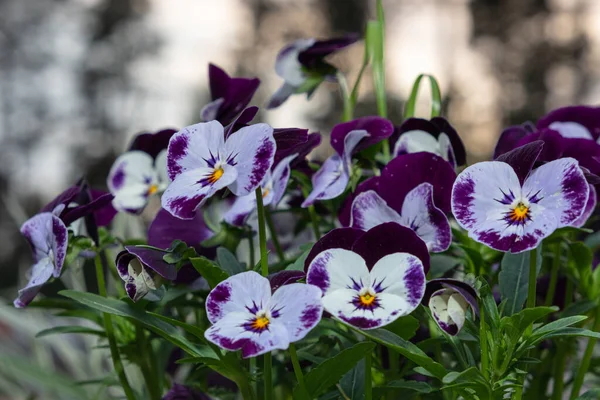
[(329, 181), (449, 310), (287, 65), (285, 277), (340, 238), (193, 147), (402, 275), (319, 49), (335, 269), (416, 141), (298, 307), (192, 188), (562, 188), (280, 177), (252, 149), (242, 292), (165, 228), (153, 259), (152, 143), (509, 139), (41, 272), (422, 216), (47, 236), (344, 213), (590, 206), (280, 96), (129, 179), (456, 145), (211, 110), (235, 92), (378, 129), (585, 116), (523, 158), (370, 210), (351, 143), (240, 209)]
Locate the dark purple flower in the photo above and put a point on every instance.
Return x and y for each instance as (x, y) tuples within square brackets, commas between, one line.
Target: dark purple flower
[(47, 236), (378, 129), (229, 95), (152, 143), (294, 141), (142, 269), (435, 136), (378, 280), (79, 201), (201, 162), (181, 392), (246, 316), (576, 122), (449, 300), (302, 66)]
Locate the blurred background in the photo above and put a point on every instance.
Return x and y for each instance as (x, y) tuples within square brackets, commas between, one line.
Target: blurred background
[(79, 78)]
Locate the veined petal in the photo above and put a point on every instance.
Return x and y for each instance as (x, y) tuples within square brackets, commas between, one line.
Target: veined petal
[(523, 158), (192, 188), (230, 333), (351, 141), (47, 236), (41, 272), (251, 151), (416, 141), (422, 216), (242, 206), (280, 178), (561, 189), (245, 292), (370, 210), (298, 307), (335, 269), (590, 206), (329, 181), (193, 147), (402, 275)]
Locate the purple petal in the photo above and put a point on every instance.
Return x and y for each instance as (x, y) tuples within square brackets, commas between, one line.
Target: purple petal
[(166, 228), (65, 198), (329, 181), (449, 310), (341, 238), (152, 143), (131, 179), (523, 158), (466, 290), (370, 210), (390, 238), (336, 269), (252, 150), (235, 92), (41, 272), (287, 65), (509, 139), (405, 172), (312, 56), (282, 278), (590, 206), (280, 96), (346, 209), (585, 116), (153, 259), (241, 121), (211, 110), (298, 307), (294, 141), (280, 177), (100, 205), (378, 129), (554, 144), (240, 210), (458, 147)]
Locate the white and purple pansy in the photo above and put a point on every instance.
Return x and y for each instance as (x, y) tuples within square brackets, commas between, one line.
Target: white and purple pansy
[(201, 162), (449, 300), (246, 315), (372, 280), (229, 95), (435, 136), (510, 207), (574, 122), (142, 269), (331, 179), (273, 188), (47, 236), (302, 66)]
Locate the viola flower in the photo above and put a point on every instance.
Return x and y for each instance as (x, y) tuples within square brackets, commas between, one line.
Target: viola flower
[(142, 269), (47, 236), (140, 172), (509, 207), (331, 179), (449, 300), (574, 122), (436, 136), (229, 95), (273, 188), (303, 68), (246, 316), (201, 162), (399, 196), (378, 280)]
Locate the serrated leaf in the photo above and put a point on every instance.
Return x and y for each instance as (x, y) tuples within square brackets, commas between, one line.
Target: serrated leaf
[(331, 371), (209, 271), (514, 279), (228, 262), (57, 330)]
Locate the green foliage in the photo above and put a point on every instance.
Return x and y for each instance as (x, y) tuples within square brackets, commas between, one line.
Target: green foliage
[(211, 271), (514, 279)]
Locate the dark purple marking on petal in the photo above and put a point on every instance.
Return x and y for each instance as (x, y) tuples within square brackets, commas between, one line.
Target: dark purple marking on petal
[(341, 238), (177, 150), (450, 329), (153, 259), (313, 56), (318, 275), (311, 315), (523, 158), (573, 186), (263, 160), (360, 322), (463, 197), (414, 280), (122, 261), (283, 278), (467, 291), (185, 207), (119, 177), (219, 295), (346, 209)]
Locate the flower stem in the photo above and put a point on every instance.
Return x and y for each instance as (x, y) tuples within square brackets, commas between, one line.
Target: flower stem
[(532, 278), (553, 276), (152, 384), (298, 371), (314, 221), (485, 362), (368, 378), (110, 334), (274, 237), (559, 372), (587, 358), (264, 262), (346, 97)]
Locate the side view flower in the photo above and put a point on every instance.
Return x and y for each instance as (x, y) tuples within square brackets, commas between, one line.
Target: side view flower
[(508, 207), (449, 301), (246, 316), (201, 161), (368, 290)]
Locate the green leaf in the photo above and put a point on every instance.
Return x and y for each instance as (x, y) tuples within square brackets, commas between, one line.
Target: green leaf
[(375, 43), (407, 349), (228, 262), (514, 279), (578, 308), (298, 265), (405, 327), (209, 271), (516, 324), (331, 371), (401, 386), (122, 309), (581, 257), (469, 378), (70, 329), (559, 324), (436, 97), (592, 394), (353, 382), (567, 332), (441, 263)]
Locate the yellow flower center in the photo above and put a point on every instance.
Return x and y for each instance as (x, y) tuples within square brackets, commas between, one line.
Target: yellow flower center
[(265, 193), (367, 299), (260, 323), (519, 213), (216, 175), (152, 189)]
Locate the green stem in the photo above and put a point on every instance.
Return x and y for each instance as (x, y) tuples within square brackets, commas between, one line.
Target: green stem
[(264, 262), (485, 361), (251, 250), (559, 372), (110, 334), (368, 377), (274, 237), (553, 276), (587, 358), (152, 384), (298, 371), (346, 97), (354, 94), (532, 278), (379, 76)]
